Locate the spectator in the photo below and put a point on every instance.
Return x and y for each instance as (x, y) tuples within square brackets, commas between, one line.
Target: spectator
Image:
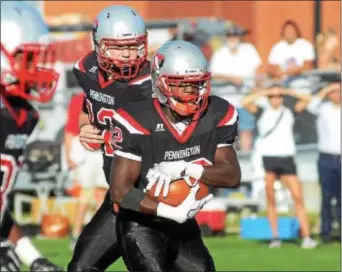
[(276, 145), (291, 56), (238, 63), (86, 165), (327, 50), (329, 145)]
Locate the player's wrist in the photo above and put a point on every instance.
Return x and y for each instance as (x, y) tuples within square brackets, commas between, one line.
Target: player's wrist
[(194, 170)]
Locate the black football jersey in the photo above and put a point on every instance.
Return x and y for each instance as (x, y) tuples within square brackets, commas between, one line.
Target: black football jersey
[(14, 133), (149, 137), (103, 97)]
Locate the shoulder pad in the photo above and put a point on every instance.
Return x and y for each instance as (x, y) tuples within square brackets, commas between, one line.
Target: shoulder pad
[(135, 116), (225, 113), (87, 63)]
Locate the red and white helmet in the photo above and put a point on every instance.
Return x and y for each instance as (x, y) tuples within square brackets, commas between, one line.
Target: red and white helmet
[(120, 26), (177, 63), (27, 53)]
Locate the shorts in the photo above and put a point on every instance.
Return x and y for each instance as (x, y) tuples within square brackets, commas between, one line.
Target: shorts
[(91, 175), (280, 165), (246, 120), (89, 172), (160, 245)]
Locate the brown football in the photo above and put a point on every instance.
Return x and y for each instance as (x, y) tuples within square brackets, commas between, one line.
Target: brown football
[(55, 225), (178, 191)]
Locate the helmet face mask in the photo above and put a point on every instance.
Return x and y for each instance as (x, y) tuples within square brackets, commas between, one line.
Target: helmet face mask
[(33, 77), (120, 40), (181, 78), (27, 65), (122, 58), (186, 95)]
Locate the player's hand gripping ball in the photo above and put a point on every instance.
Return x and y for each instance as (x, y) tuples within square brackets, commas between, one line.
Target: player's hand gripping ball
[(174, 191)]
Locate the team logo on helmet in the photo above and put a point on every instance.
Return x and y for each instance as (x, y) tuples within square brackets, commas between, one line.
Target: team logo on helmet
[(158, 62)]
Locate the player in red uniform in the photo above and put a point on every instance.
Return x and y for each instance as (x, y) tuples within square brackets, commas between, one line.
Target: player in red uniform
[(27, 59)]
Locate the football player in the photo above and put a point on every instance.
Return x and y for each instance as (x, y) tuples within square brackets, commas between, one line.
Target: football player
[(27, 74), (115, 73), (181, 134)]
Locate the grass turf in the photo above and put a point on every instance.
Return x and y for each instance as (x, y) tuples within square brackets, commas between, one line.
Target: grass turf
[(233, 254)]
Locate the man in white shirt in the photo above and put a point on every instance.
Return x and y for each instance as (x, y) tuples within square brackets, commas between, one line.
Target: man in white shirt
[(276, 145), (238, 63), (329, 145), (291, 56)]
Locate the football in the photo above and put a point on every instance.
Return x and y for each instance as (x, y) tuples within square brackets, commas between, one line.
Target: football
[(178, 191), (55, 225)]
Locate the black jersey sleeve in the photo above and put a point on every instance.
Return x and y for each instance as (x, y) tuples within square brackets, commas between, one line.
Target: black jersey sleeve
[(79, 76), (129, 135), (227, 128), (82, 76), (82, 69)]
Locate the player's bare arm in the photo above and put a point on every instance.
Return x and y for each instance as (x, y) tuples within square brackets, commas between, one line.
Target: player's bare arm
[(225, 172), (124, 175)]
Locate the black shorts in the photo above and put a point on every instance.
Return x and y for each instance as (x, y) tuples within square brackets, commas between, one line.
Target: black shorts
[(280, 165), (97, 248), (151, 245)]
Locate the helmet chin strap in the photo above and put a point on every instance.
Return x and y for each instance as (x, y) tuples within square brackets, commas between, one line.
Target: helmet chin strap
[(180, 118), (177, 118)]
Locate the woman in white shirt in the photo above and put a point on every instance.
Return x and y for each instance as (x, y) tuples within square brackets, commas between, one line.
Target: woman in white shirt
[(292, 55), (276, 145)]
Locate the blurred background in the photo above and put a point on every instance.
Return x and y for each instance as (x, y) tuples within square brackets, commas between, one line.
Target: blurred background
[(42, 187)]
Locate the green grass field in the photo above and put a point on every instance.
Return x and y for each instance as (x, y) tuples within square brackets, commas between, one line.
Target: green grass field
[(234, 254)]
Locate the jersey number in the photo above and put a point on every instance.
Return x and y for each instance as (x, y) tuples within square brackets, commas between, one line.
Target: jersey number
[(111, 137)]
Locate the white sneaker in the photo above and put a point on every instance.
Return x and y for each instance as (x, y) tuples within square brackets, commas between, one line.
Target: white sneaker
[(275, 244), (308, 242)]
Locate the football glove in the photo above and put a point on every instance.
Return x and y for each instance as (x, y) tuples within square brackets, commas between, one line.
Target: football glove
[(186, 210), (44, 265), (165, 172), (153, 176), (178, 169), (9, 261)]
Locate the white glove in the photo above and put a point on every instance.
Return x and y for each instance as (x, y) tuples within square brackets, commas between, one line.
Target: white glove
[(186, 210), (178, 169), (175, 169), (154, 175), (165, 172)]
